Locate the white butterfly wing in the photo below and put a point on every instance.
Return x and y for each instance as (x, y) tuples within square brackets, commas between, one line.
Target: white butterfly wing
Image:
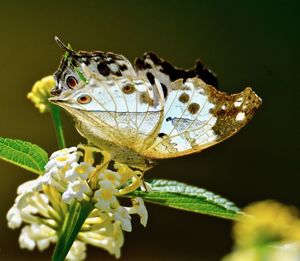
[(197, 116), (126, 111)]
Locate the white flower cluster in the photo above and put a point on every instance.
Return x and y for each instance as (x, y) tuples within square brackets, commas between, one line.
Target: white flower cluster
[(71, 175)]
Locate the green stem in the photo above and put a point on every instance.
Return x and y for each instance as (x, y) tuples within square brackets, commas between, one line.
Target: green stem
[(73, 221), (56, 117)]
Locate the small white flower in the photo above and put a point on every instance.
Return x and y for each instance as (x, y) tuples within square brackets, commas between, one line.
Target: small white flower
[(50, 164), (138, 207), (122, 215), (26, 210), (77, 189), (62, 161), (28, 186), (25, 240), (82, 170), (63, 152), (105, 196), (108, 239), (111, 176), (55, 178), (36, 235), (77, 251), (14, 217)]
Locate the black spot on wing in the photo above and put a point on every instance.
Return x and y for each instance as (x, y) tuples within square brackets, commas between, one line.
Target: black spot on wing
[(123, 67), (200, 71), (109, 60), (103, 68), (165, 90), (147, 65), (87, 62), (205, 74), (155, 59), (140, 64), (150, 77), (117, 73), (161, 134)]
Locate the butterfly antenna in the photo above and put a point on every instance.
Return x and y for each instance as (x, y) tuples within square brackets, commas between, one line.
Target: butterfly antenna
[(68, 48)]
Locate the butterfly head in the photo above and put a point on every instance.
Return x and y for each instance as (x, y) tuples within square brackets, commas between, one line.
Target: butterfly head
[(69, 74)]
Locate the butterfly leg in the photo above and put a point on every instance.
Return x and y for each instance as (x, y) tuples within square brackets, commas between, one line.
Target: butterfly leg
[(146, 187), (89, 157)]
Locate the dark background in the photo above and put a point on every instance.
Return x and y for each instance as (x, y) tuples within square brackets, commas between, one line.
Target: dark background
[(247, 43)]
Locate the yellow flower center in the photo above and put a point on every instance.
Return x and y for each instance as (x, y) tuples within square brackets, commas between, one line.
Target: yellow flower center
[(61, 159), (106, 194), (81, 169)]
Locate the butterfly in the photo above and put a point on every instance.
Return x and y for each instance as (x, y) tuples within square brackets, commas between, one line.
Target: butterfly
[(147, 111)]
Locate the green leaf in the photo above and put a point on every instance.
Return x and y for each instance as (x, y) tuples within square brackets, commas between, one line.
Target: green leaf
[(190, 198), (23, 154), (73, 221)]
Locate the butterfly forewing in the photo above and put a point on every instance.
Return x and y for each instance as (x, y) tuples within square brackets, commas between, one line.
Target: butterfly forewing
[(197, 116), (153, 66)]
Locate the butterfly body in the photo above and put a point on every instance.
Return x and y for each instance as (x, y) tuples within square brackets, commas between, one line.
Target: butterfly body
[(149, 112)]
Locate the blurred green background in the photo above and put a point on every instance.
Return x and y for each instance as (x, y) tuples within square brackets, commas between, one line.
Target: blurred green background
[(247, 43)]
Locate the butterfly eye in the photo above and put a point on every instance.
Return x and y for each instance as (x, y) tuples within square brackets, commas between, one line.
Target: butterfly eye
[(84, 99), (71, 82)]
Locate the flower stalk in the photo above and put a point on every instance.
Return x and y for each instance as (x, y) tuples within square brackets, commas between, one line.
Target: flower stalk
[(77, 214), (57, 122)]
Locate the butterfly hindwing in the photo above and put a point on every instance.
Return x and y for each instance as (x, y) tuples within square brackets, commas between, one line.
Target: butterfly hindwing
[(197, 116), (153, 66)]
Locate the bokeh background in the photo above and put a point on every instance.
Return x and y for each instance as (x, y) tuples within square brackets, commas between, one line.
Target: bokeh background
[(247, 43)]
